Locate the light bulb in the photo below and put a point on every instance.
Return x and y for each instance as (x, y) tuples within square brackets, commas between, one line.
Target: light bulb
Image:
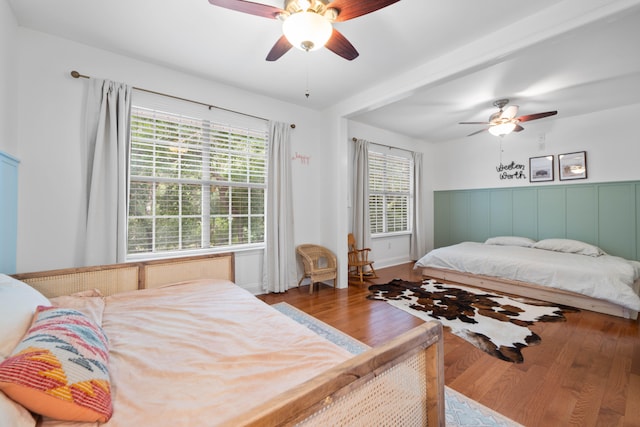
[(502, 129), (307, 30)]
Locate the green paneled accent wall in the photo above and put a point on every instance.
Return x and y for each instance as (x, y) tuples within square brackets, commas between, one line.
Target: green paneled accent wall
[(552, 212), (8, 212), (500, 220), (616, 206), (525, 213), (603, 214)]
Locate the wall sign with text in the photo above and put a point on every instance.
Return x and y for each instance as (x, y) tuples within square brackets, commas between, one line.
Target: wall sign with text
[(511, 170)]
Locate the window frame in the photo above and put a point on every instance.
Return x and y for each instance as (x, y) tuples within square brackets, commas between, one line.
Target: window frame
[(390, 153), (256, 133)]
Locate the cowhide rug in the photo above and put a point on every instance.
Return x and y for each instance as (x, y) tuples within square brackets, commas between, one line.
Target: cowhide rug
[(496, 324)]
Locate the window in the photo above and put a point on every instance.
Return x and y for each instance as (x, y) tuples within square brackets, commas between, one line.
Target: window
[(390, 193), (195, 182)]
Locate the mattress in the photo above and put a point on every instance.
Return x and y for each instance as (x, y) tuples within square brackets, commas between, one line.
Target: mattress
[(605, 277), (198, 353)]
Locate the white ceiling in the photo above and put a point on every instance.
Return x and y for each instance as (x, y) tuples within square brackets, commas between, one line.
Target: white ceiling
[(574, 56)]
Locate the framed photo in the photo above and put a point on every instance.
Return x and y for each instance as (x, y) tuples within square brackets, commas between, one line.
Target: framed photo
[(541, 169), (572, 165)]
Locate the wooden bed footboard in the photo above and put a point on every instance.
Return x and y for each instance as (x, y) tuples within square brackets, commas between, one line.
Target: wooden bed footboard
[(399, 383), (530, 290), (114, 278)]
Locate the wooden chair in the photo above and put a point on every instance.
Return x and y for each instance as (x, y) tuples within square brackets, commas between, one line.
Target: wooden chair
[(319, 263), (360, 267)]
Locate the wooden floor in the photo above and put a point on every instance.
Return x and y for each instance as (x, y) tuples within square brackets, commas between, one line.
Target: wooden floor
[(585, 372)]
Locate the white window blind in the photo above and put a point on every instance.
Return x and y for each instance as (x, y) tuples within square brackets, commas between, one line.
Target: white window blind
[(197, 179), (390, 192)]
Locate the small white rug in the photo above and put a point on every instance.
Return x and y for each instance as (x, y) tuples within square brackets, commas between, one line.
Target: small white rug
[(460, 411)]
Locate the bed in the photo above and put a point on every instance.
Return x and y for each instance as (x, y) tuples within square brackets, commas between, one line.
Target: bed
[(562, 271), (184, 345)]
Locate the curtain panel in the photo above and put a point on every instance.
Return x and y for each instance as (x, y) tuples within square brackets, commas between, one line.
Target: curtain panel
[(107, 123), (279, 266), (360, 221), (418, 235)]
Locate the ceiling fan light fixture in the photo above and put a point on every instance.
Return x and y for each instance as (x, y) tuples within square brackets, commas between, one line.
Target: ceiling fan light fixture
[(502, 128), (307, 30)]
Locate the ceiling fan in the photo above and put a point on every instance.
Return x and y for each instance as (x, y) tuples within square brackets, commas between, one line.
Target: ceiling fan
[(308, 24), (504, 121)]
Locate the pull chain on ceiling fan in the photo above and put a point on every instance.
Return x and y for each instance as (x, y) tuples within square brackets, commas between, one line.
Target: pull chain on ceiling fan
[(504, 121), (308, 24)]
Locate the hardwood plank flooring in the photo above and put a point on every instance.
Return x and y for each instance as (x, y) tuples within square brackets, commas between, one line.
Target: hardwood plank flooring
[(585, 372)]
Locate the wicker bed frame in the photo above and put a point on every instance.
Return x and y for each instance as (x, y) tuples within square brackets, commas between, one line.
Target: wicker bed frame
[(401, 381), (530, 290)]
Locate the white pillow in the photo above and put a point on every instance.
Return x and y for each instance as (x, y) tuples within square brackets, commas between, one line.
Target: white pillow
[(13, 414), (510, 241), (18, 302), (569, 246)]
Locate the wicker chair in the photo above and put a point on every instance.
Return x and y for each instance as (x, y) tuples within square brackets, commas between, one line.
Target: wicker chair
[(320, 264), (360, 267)]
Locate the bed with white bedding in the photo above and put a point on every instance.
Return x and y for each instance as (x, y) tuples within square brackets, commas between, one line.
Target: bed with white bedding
[(193, 353), (557, 270)]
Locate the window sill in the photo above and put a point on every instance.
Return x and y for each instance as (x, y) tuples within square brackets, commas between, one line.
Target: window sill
[(395, 234)]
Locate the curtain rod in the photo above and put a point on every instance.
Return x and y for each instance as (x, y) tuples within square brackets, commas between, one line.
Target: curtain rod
[(77, 75), (354, 139)]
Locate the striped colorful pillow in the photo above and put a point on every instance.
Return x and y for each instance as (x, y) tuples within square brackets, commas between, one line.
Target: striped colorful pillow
[(60, 368)]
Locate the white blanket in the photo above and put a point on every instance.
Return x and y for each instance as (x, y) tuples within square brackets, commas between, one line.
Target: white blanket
[(605, 277)]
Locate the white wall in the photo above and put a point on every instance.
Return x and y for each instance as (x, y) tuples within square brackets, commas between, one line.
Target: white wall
[(608, 137), (50, 123), (8, 77), (394, 250)]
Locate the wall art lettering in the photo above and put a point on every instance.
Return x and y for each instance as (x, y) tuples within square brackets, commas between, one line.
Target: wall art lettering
[(511, 170), (304, 160)]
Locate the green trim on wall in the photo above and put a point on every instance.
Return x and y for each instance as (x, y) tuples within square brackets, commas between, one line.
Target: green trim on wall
[(603, 214), (8, 212)]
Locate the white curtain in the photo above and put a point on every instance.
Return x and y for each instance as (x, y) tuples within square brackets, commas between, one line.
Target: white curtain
[(360, 222), (279, 266), (108, 107), (418, 236)]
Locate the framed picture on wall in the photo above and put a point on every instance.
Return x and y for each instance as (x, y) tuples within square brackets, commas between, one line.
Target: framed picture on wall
[(541, 169), (572, 165)]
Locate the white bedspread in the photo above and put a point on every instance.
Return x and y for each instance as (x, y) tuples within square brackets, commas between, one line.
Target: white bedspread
[(606, 277), (199, 353)]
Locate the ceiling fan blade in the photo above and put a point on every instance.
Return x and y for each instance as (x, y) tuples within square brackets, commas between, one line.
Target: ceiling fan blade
[(509, 112), (339, 45), (518, 128), (281, 47), (478, 131), (473, 123), (536, 116), (349, 9), (251, 8)]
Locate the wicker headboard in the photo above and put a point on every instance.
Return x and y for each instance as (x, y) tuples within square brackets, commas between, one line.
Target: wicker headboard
[(114, 278)]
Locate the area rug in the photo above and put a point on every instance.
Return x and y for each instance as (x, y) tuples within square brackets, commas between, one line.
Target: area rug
[(496, 324), (460, 411)]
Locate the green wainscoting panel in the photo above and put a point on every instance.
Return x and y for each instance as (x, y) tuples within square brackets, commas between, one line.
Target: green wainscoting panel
[(603, 214), (552, 212), (441, 219), (638, 221), (582, 220), (479, 225), (8, 212), (460, 215), (617, 219), (525, 213), (500, 219)]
